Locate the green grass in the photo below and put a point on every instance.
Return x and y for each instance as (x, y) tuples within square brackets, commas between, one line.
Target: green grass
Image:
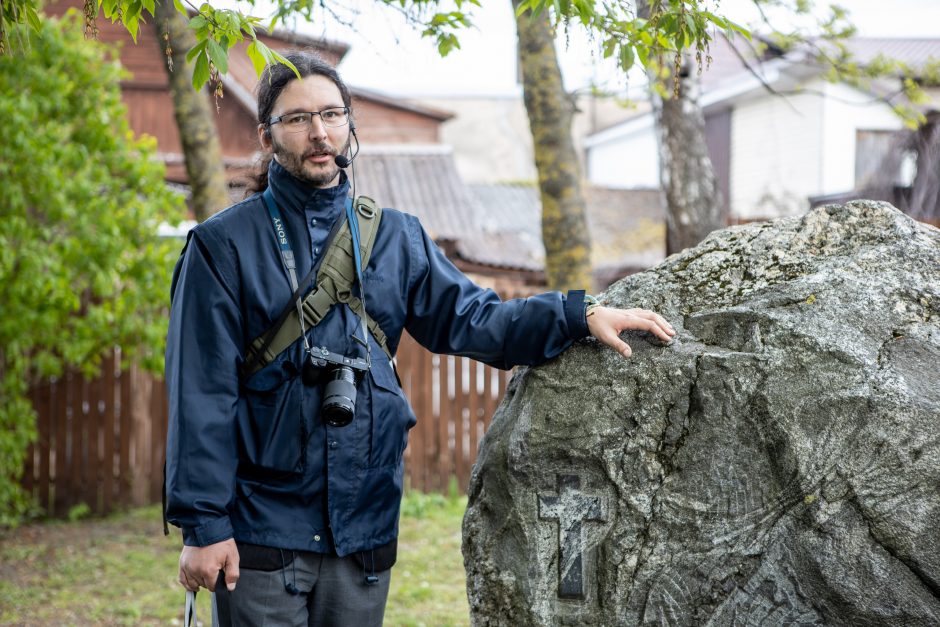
[(121, 570)]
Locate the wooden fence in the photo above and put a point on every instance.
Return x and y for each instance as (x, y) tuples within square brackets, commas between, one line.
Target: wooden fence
[(101, 442)]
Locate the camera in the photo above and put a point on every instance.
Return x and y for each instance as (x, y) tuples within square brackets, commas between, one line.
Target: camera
[(339, 397), (338, 373)]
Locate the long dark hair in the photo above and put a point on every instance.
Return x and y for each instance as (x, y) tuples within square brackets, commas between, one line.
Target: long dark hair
[(273, 80)]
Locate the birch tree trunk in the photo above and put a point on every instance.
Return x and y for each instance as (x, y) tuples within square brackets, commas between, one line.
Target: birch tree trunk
[(694, 204)]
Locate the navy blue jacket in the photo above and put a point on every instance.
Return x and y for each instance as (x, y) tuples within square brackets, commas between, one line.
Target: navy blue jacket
[(252, 459)]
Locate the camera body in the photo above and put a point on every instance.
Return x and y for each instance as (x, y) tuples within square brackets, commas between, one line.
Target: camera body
[(339, 374)]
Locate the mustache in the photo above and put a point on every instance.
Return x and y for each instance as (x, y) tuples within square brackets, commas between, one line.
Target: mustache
[(321, 148)]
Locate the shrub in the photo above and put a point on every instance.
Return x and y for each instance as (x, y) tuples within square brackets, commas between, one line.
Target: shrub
[(81, 267)]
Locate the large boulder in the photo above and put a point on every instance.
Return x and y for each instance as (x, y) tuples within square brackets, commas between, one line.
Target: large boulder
[(778, 463)]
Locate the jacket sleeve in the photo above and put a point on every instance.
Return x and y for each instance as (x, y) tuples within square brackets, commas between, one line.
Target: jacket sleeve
[(448, 313), (204, 346)]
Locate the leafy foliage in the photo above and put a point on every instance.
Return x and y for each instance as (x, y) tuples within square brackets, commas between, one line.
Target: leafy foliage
[(81, 267), (218, 30), (674, 26)]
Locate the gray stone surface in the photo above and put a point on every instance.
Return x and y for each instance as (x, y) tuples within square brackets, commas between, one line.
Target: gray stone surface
[(777, 464)]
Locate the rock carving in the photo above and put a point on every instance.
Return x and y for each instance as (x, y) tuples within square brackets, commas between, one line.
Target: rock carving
[(570, 509)]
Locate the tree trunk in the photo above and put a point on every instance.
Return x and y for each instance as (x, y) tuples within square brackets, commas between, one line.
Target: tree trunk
[(694, 206), (564, 222), (198, 135)]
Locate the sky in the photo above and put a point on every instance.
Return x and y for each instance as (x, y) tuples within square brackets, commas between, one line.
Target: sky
[(387, 54)]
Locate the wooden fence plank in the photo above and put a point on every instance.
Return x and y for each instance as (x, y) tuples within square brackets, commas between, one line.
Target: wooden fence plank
[(124, 472), (80, 426), (95, 419), (445, 421), (140, 436), (45, 445), (158, 423), (60, 400), (405, 373), (459, 408), (109, 389), (424, 422), (491, 397), (473, 406)]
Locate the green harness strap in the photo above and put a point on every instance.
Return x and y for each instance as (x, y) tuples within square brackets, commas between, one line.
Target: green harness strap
[(335, 279)]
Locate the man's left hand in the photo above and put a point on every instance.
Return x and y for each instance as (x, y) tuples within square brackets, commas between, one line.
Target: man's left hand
[(606, 324)]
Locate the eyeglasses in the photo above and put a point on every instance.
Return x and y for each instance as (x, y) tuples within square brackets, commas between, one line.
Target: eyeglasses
[(301, 121)]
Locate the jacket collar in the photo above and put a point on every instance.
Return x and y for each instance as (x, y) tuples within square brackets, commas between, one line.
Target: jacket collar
[(292, 194)]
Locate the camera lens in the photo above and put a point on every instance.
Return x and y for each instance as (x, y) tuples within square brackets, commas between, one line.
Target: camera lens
[(339, 397)]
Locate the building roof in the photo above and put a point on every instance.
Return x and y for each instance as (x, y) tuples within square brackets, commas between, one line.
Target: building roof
[(627, 228), (421, 180), (913, 52), (397, 103)]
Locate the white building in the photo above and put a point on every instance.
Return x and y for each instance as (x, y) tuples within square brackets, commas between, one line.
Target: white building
[(772, 152)]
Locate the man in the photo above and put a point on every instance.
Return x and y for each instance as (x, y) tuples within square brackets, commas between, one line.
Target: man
[(301, 514)]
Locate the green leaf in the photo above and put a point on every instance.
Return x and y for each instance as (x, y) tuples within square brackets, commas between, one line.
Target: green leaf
[(626, 57), (131, 23), (199, 47), (275, 55), (33, 18), (179, 7), (740, 29), (201, 71), (257, 59), (108, 8), (199, 21), (149, 5), (218, 55)]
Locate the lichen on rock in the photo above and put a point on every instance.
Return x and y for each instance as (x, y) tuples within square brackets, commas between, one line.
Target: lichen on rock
[(777, 463)]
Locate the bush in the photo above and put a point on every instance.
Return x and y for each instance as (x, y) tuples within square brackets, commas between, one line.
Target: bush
[(81, 267)]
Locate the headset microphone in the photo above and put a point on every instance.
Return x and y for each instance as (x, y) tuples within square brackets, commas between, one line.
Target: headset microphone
[(342, 160)]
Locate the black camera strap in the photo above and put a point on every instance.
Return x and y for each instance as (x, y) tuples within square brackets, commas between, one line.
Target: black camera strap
[(280, 233)]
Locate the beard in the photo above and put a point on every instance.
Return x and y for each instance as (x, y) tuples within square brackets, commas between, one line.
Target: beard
[(318, 175)]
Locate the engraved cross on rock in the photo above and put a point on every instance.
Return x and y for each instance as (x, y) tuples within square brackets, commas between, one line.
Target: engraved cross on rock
[(570, 508)]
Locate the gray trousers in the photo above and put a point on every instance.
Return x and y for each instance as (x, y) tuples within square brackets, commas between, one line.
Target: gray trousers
[(330, 592)]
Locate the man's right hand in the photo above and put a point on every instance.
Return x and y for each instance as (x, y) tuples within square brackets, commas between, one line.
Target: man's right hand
[(200, 565)]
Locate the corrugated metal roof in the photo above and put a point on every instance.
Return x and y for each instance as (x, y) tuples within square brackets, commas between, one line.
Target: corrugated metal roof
[(727, 63), (914, 52), (422, 181)]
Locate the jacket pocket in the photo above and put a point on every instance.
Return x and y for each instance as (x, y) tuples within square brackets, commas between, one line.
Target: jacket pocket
[(391, 415), (272, 428)]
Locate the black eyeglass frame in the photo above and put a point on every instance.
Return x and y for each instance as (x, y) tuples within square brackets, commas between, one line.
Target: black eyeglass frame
[(279, 118)]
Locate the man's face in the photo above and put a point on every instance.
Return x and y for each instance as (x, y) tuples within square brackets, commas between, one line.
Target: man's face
[(309, 155)]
